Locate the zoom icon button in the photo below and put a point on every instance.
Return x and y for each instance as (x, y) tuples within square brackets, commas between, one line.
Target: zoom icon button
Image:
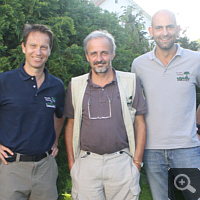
[(182, 182)]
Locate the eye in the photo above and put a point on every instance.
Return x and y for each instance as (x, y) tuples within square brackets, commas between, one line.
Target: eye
[(105, 53), (158, 27), (32, 45), (93, 53), (170, 27), (44, 47)]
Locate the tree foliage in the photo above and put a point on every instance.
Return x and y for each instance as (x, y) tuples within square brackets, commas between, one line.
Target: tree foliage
[(185, 43), (15, 13)]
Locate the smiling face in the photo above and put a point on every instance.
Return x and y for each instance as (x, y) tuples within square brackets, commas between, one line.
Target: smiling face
[(164, 30), (99, 55), (37, 50)]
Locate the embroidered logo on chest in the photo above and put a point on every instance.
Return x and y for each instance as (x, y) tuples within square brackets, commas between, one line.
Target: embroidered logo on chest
[(183, 76), (50, 102)]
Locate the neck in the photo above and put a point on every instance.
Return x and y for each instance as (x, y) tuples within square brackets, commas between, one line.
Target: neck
[(102, 79), (165, 56), (38, 73)]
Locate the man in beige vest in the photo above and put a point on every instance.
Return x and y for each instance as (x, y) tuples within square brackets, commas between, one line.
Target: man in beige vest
[(104, 108)]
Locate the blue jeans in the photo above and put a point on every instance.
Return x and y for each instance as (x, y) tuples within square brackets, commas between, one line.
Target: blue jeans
[(158, 161)]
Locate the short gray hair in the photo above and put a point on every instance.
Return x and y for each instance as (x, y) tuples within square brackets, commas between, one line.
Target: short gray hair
[(99, 34)]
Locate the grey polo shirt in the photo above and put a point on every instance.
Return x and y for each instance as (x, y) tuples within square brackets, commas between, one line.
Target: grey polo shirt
[(106, 135), (171, 98)]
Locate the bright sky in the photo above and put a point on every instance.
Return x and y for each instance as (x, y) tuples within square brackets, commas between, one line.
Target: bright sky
[(187, 13)]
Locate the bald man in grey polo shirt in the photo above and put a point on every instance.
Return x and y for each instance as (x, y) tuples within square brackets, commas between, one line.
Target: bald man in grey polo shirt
[(169, 75), (103, 112)]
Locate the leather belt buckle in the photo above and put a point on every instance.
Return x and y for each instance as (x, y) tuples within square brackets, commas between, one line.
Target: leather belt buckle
[(25, 158), (11, 158)]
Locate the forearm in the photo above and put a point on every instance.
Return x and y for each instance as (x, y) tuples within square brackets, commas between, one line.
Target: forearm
[(58, 125), (69, 142), (140, 137)]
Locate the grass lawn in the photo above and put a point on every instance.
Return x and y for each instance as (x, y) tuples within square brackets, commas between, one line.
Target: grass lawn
[(145, 191)]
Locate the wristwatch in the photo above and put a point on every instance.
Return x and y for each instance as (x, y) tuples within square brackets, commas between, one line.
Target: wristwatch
[(139, 163)]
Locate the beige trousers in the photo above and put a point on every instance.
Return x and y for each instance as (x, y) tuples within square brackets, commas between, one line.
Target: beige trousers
[(105, 177), (29, 180)]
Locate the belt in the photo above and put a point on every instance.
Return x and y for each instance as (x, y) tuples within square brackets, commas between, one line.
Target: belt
[(25, 158), (87, 153)]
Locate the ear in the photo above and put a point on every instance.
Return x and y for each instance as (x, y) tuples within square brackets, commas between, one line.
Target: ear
[(178, 29), (49, 51), (86, 55), (23, 48), (151, 31), (113, 55)]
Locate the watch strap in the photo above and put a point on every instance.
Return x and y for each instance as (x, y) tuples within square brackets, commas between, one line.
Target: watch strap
[(139, 163)]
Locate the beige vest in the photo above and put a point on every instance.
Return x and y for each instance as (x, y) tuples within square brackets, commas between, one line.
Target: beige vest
[(126, 82)]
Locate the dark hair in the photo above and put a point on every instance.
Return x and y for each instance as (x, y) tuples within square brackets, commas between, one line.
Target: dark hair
[(28, 28)]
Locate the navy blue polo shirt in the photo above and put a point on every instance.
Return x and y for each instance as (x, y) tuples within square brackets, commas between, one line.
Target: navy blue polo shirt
[(27, 113)]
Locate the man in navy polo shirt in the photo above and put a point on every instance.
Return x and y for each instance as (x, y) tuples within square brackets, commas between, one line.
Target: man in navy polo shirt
[(31, 119)]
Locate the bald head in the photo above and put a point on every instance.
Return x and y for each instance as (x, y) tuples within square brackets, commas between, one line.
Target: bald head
[(164, 30), (162, 15)]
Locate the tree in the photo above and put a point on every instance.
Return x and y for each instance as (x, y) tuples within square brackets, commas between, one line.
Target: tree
[(15, 13), (185, 43), (134, 42)]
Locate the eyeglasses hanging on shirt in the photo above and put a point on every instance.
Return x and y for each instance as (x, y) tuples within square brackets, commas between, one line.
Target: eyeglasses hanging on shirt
[(109, 101)]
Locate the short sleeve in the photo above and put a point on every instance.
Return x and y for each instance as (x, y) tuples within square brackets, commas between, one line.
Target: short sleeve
[(69, 109), (60, 101), (139, 102)]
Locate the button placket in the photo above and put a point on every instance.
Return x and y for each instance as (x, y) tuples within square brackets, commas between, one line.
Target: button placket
[(34, 85)]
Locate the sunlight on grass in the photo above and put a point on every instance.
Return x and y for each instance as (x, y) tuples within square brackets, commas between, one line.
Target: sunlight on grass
[(67, 196)]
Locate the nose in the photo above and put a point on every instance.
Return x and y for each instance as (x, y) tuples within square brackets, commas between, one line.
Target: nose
[(38, 51), (99, 57), (165, 31)]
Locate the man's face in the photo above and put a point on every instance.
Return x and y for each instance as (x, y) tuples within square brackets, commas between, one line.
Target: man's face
[(99, 54), (37, 50), (164, 30)]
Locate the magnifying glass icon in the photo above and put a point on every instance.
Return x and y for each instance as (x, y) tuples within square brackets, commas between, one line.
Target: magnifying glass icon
[(184, 183)]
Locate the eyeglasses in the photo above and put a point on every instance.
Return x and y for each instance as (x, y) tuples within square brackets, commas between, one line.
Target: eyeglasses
[(109, 100), (110, 111)]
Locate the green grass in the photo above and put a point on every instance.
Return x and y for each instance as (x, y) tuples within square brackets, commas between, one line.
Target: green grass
[(145, 190), (67, 196)]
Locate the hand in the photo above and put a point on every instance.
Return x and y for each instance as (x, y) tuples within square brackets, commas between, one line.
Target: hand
[(138, 166), (55, 150), (3, 153), (70, 165), (198, 136)]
